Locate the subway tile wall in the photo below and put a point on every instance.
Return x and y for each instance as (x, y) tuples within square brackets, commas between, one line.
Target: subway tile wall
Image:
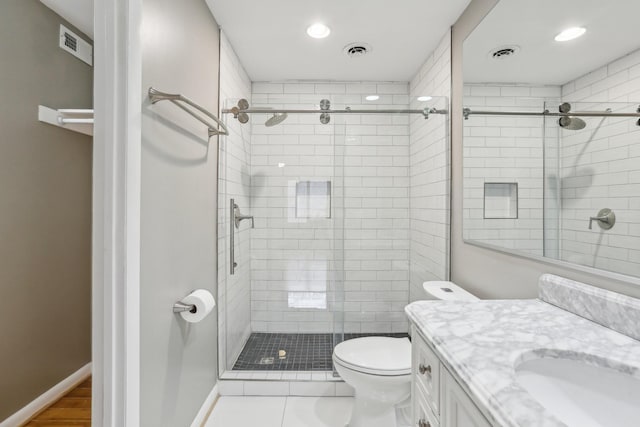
[(389, 205), (293, 258), (234, 181), (429, 161), (507, 150), (600, 168)]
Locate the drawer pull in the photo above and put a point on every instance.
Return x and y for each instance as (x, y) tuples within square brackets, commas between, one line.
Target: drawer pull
[(424, 370), (423, 423)]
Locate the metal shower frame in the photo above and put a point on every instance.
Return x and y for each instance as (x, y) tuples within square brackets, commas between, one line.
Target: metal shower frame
[(242, 110), (466, 112)]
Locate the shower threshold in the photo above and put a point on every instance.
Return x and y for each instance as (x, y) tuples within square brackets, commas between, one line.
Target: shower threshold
[(293, 351)]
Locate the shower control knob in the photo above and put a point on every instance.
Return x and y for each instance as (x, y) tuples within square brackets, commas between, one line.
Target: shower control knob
[(423, 423), (424, 369)]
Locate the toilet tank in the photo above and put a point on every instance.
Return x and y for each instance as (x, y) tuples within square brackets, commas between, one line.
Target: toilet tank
[(446, 291)]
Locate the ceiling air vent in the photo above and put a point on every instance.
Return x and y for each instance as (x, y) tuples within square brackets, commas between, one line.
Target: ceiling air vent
[(356, 50), (504, 52), (73, 44)]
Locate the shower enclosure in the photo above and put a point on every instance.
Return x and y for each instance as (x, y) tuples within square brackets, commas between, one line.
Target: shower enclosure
[(325, 256)]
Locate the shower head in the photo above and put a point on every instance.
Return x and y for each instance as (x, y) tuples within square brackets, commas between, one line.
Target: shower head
[(276, 119), (571, 123)]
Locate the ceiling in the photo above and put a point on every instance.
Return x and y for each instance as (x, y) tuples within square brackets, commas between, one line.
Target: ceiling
[(612, 28), (270, 36), (78, 12)]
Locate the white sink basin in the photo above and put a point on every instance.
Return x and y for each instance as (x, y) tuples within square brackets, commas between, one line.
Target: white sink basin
[(582, 395)]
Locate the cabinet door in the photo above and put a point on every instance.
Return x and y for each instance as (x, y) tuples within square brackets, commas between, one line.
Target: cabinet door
[(426, 372), (457, 409), (423, 416)]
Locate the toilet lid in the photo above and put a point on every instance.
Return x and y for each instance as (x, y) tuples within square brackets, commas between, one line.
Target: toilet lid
[(375, 355)]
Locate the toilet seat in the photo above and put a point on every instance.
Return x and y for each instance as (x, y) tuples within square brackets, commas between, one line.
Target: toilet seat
[(381, 356)]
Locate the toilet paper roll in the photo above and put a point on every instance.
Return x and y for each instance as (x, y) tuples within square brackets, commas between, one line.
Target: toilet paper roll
[(204, 302)]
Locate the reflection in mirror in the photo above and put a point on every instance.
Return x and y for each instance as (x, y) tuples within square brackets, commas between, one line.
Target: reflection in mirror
[(555, 114)]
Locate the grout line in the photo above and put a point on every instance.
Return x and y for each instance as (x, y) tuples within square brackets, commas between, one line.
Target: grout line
[(284, 410)]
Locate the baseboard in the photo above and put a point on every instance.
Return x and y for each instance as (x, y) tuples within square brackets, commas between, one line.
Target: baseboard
[(205, 409), (48, 397)]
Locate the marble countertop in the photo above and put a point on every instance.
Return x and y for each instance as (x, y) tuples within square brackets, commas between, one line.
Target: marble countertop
[(482, 342)]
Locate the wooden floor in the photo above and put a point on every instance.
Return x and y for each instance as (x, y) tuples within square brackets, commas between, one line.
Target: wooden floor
[(72, 410)]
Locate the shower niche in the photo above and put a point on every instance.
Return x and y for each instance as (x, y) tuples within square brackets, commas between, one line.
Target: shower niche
[(500, 200), (312, 199)]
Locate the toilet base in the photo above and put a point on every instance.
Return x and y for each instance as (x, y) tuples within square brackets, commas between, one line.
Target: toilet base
[(372, 413)]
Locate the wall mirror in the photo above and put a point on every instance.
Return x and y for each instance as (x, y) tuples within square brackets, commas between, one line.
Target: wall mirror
[(552, 132)]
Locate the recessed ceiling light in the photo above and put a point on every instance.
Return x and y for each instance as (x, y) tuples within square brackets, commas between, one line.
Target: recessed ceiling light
[(281, 165), (318, 31), (372, 98), (570, 34), (425, 98)]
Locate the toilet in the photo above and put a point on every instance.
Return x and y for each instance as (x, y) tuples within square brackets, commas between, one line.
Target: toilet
[(379, 368)]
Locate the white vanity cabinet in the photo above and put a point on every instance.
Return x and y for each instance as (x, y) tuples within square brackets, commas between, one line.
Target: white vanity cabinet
[(457, 408), (437, 398)]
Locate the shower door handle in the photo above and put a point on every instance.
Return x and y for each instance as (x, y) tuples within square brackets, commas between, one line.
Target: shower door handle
[(235, 218), (232, 248)]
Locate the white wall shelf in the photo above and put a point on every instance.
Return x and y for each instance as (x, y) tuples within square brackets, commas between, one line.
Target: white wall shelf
[(77, 120)]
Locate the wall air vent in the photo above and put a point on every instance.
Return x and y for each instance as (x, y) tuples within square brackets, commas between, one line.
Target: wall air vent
[(70, 42), (73, 44)]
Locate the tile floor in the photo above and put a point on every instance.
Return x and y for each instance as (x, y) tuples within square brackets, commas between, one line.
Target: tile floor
[(292, 411), (293, 352)]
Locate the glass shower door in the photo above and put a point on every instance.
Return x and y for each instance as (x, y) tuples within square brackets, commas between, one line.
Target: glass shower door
[(281, 310), (234, 290)]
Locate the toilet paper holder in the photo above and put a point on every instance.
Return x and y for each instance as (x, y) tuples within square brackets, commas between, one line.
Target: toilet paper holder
[(180, 307)]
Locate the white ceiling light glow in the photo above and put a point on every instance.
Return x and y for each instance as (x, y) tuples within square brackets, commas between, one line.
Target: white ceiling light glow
[(570, 34), (424, 98), (372, 98), (318, 31)]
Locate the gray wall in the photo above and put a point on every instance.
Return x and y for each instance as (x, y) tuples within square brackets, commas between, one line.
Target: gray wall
[(487, 273), (180, 48), (45, 209)]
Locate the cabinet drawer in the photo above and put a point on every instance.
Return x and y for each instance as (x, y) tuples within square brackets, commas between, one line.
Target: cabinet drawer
[(422, 414), (426, 371)]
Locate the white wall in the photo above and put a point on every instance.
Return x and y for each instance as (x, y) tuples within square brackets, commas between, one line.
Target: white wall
[(177, 218), (234, 181), (600, 168), (293, 260), (429, 156)]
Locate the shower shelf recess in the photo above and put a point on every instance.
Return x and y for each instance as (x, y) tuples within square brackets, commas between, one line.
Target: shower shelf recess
[(74, 119)]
